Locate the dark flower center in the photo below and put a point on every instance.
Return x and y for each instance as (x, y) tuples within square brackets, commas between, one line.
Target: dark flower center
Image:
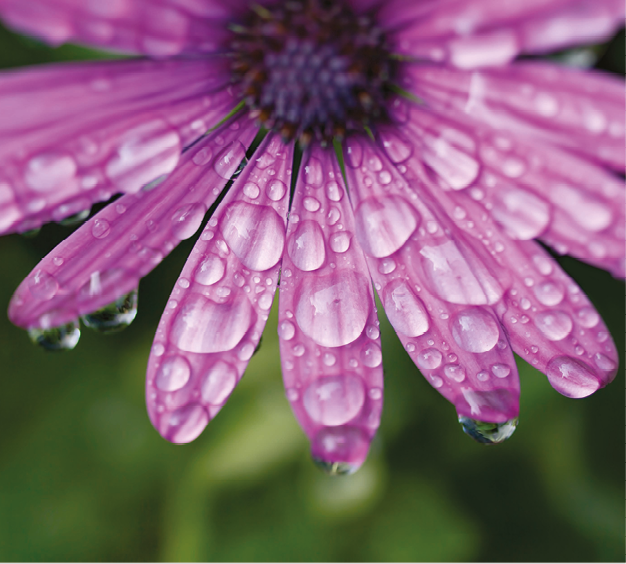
[(312, 68)]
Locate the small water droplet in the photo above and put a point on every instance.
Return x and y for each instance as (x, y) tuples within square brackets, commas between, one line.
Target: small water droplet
[(500, 370), (406, 312), (187, 219), (603, 362), (375, 393), (429, 359), (329, 359), (334, 192), (334, 400), (311, 204), (340, 242), (475, 330), (488, 433), (251, 190), (210, 270), (62, 338), (276, 190), (286, 330), (373, 332), (292, 394), (42, 286), (116, 316), (587, 317), (371, 355), (218, 383), (386, 266), (455, 372), (100, 228), (173, 374), (549, 293), (228, 161), (555, 325)]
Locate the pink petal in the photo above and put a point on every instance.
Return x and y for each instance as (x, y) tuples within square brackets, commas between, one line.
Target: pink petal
[(151, 27), (111, 252), (76, 134), (491, 33), (531, 188), (436, 287), (578, 110), (327, 325), (549, 321), (219, 306)]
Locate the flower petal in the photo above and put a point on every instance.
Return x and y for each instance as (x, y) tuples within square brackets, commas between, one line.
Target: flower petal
[(109, 254), (491, 33), (533, 189), (327, 325), (436, 289), (76, 134), (218, 308), (151, 27), (578, 110)]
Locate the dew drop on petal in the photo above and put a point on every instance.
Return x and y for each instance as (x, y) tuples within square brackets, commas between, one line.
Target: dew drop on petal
[(42, 286), (311, 204), (187, 219), (588, 317), (314, 172), (522, 214), (227, 162), (603, 362), (549, 293), (334, 192), (286, 330), (276, 190), (429, 359), (218, 383), (371, 355), (500, 370), (571, 377), (195, 328), (340, 242), (555, 325), (306, 246), (455, 372), (251, 190), (100, 228), (334, 400), (184, 424), (173, 374), (406, 312), (210, 270), (333, 309), (50, 171), (475, 330), (384, 224)]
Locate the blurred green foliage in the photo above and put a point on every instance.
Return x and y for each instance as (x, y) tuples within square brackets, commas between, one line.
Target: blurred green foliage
[(84, 477)]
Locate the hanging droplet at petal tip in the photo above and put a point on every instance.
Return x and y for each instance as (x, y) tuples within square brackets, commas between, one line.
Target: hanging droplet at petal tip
[(62, 338), (488, 433), (335, 468)]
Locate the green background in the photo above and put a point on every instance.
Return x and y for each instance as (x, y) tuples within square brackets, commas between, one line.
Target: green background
[(84, 476)]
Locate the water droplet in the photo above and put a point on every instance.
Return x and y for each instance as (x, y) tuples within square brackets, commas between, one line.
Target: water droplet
[(482, 376), (298, 350), (100, 228), (49, 172), (475, 330), (333, 309), (523, 215), (571, 377), (42, 286), (354, 153), (398, 150), (543, 264), (340, 449), (292, 394), (256, 234), (603, 362), (384, 224), (488, 433), (334, 192), (375, 394), (245, 352), (314, 172), (500, 370), (184, 424), (329, 359), (311, 204), (513, 167), (210, 270), (286, 330), (546, 104), (251, 190), (187, 219), (173, 374), (265, 301), (203, 156), (455, 372), (340, 242), (116, 316), (587, 317), (335, 468), (406, 312), (228, 161), (371, 355), (62, 338), (456, 168), (555, 325), (334, 215), (193, 329), (549, 293), (276, 190), (429, 359), (334, 400), (306, 246)]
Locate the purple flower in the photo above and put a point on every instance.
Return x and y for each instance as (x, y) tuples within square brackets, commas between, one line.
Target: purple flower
[(430, 160)]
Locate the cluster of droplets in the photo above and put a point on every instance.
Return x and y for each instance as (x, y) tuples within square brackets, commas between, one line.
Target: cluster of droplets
[(312, 68)]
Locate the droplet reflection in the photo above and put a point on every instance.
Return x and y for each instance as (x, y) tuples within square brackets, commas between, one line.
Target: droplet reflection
[(114, 317), (335, 468), (62, 338), (488, 433)]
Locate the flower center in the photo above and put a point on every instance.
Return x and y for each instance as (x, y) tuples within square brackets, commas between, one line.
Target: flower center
[(312, 68)]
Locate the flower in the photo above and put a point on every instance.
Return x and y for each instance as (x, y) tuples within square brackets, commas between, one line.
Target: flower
[(430, 159)]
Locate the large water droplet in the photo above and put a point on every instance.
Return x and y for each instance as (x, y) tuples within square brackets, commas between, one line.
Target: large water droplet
[(340, 242), (406, 312), (334, 400), (185, 424), (63, 338), (187, 220), (50, 171), (488, 433), (333, 309), (256, 234), (227, 162), (384, 224), (555, 325), (451, 276), (429, 359), (306, 246), (549, 293), (571, 377), (116, 316), (173, 374), (522, 214), (588, 317), (339, 450), (475, 330), (210, 270), (457, 169), (276, 190), (204, 326), (219, 382)]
